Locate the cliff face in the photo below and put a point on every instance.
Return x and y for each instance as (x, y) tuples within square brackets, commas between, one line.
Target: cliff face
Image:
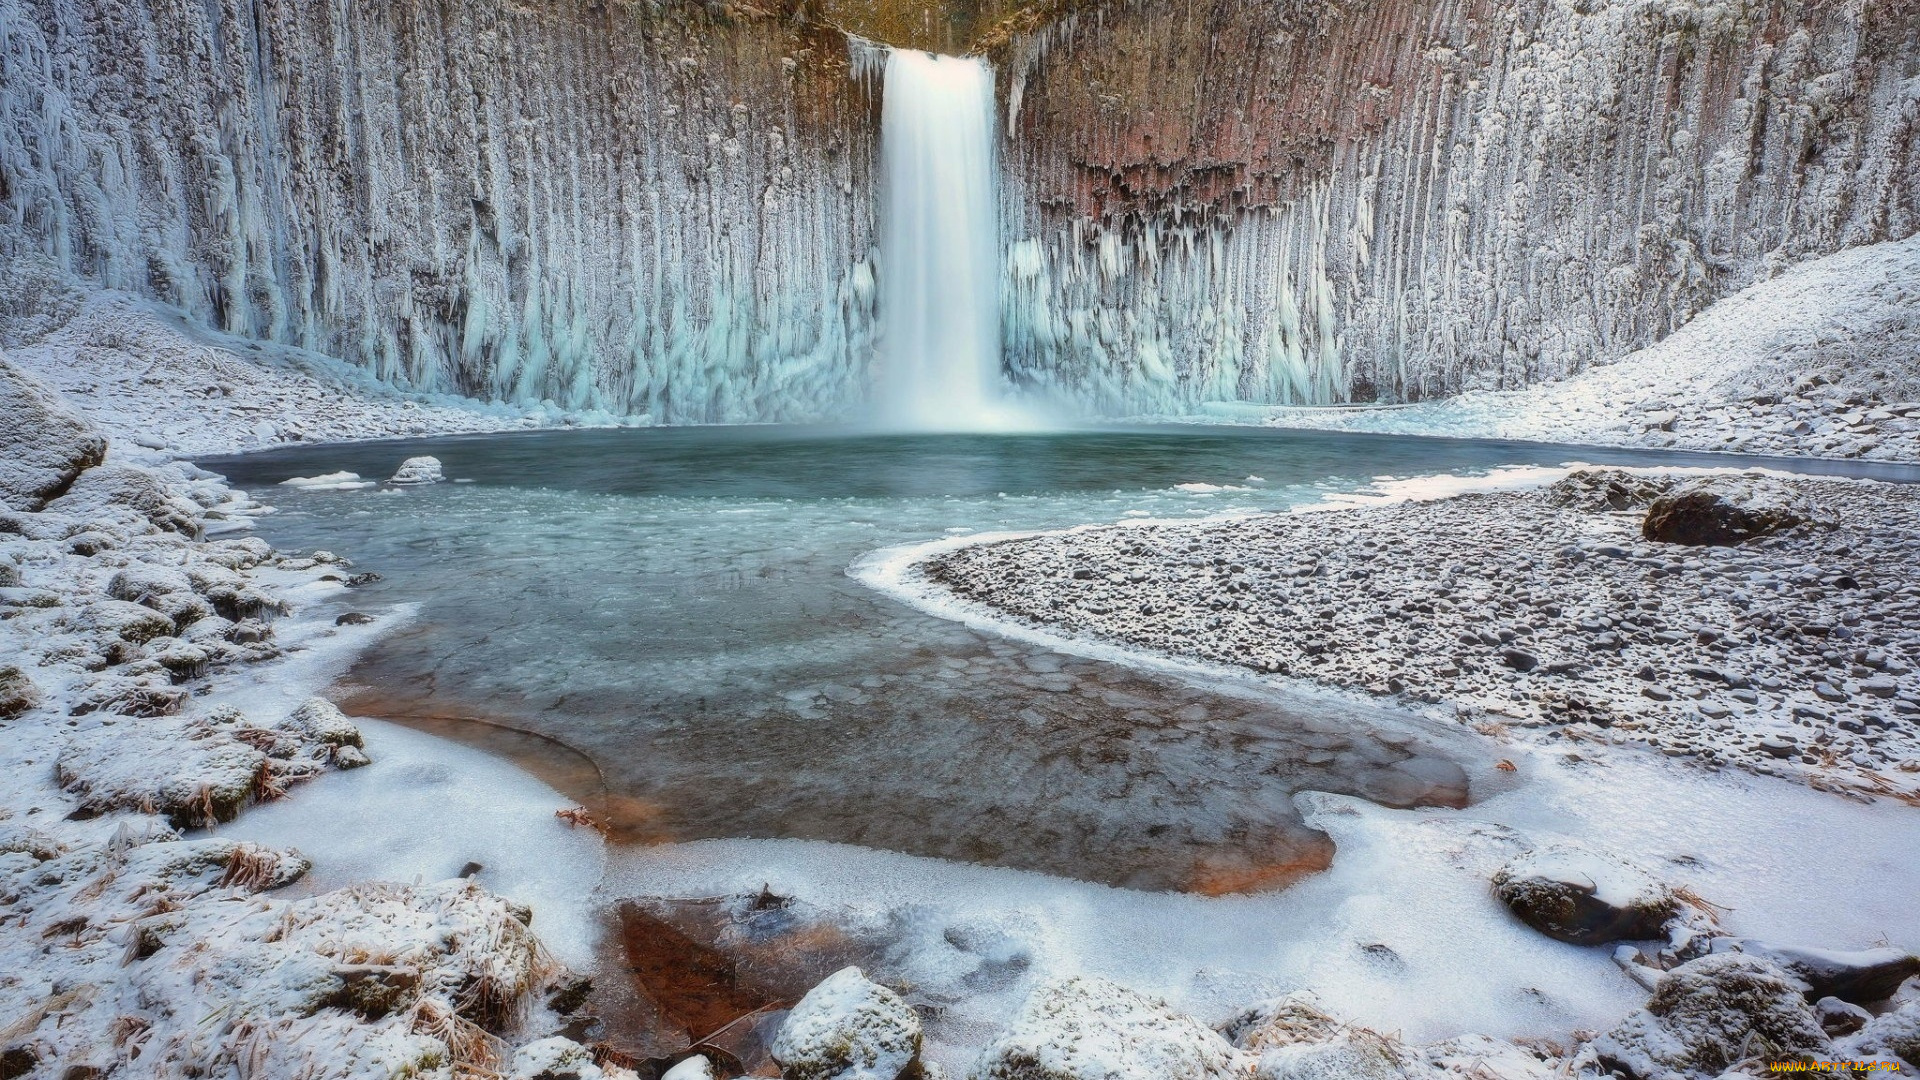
[(610, 205), (1313, 200), (666, 208)]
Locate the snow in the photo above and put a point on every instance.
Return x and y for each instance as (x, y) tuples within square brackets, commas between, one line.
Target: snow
[(1414, 881), (333, 481), (149, 378), (418, 470), (1822, 360), (148, 709), (848, 1028)]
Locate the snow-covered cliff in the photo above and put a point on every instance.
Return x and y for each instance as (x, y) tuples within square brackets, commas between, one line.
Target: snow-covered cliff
[(666, 207), (1306, 200), (611, 205)]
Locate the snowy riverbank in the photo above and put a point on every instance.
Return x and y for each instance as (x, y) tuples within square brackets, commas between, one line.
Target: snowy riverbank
[(158, 683), (155, 382), (1540, 609)]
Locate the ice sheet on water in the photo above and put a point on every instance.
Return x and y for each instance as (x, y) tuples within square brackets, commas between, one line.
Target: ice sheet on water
[(425, 808), (1402, 933), (333, 481)]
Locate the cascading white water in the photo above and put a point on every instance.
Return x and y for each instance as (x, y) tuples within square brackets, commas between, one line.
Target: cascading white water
[(940, 246)]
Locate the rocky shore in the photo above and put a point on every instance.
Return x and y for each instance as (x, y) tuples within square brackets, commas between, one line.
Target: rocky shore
[(1546, 611), (136, 942)]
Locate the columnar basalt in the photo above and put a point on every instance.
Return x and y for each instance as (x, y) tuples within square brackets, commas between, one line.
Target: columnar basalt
[(1319, 200), (640, 208), (666, 209)]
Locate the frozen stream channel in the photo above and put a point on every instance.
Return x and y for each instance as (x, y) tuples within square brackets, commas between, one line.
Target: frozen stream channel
[(667, 613)]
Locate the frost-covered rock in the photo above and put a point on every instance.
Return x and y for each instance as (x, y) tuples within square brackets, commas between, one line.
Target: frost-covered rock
[(696, 1067), (1608, 489), (323, 722), (119, 618), (418, 470), (848, 1028), (1578, 895), (1296, 1040), (1863, 977), (142, 583), (1086, 1028), (1708, 1014), (44, 443), (1895, 1033), (1726, 510), (554, 1058), (128, 494), (17, 692), (158, 768)]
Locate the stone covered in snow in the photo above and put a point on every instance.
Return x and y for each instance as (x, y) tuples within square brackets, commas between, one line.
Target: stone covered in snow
[(17, 692), (848, 1028), (323, 722), (555, 1058), (128, 495), (155, 768), (696, 1067), (418, 470), (1608, 489), (44, 443), (1894, 1033), (1584, 897), (1863, 977), (1358, 1055), (1709, 1014), (1726, 510), (1085, 1028)]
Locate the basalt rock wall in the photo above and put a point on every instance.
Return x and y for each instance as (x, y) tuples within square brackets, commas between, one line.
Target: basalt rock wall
[(665, 208), (651, 209), (1325, 200)]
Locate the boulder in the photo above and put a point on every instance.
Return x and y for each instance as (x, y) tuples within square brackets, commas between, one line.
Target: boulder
[(128, 621), (1863, 977), (44, 443), (1895, 1033), (1726, 510), (418, 470), (1584, 897), (1607, 489), (848, 1028), (1085, 1028), (128, 493), (192, 781), (323, 722), (555, 1058), (1708, 1014), (17, 692)]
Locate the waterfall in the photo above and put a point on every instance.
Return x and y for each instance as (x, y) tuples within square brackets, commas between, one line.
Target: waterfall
[(940, 246)]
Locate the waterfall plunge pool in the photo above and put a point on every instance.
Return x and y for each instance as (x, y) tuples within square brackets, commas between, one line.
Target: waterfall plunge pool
[(660, 623)]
